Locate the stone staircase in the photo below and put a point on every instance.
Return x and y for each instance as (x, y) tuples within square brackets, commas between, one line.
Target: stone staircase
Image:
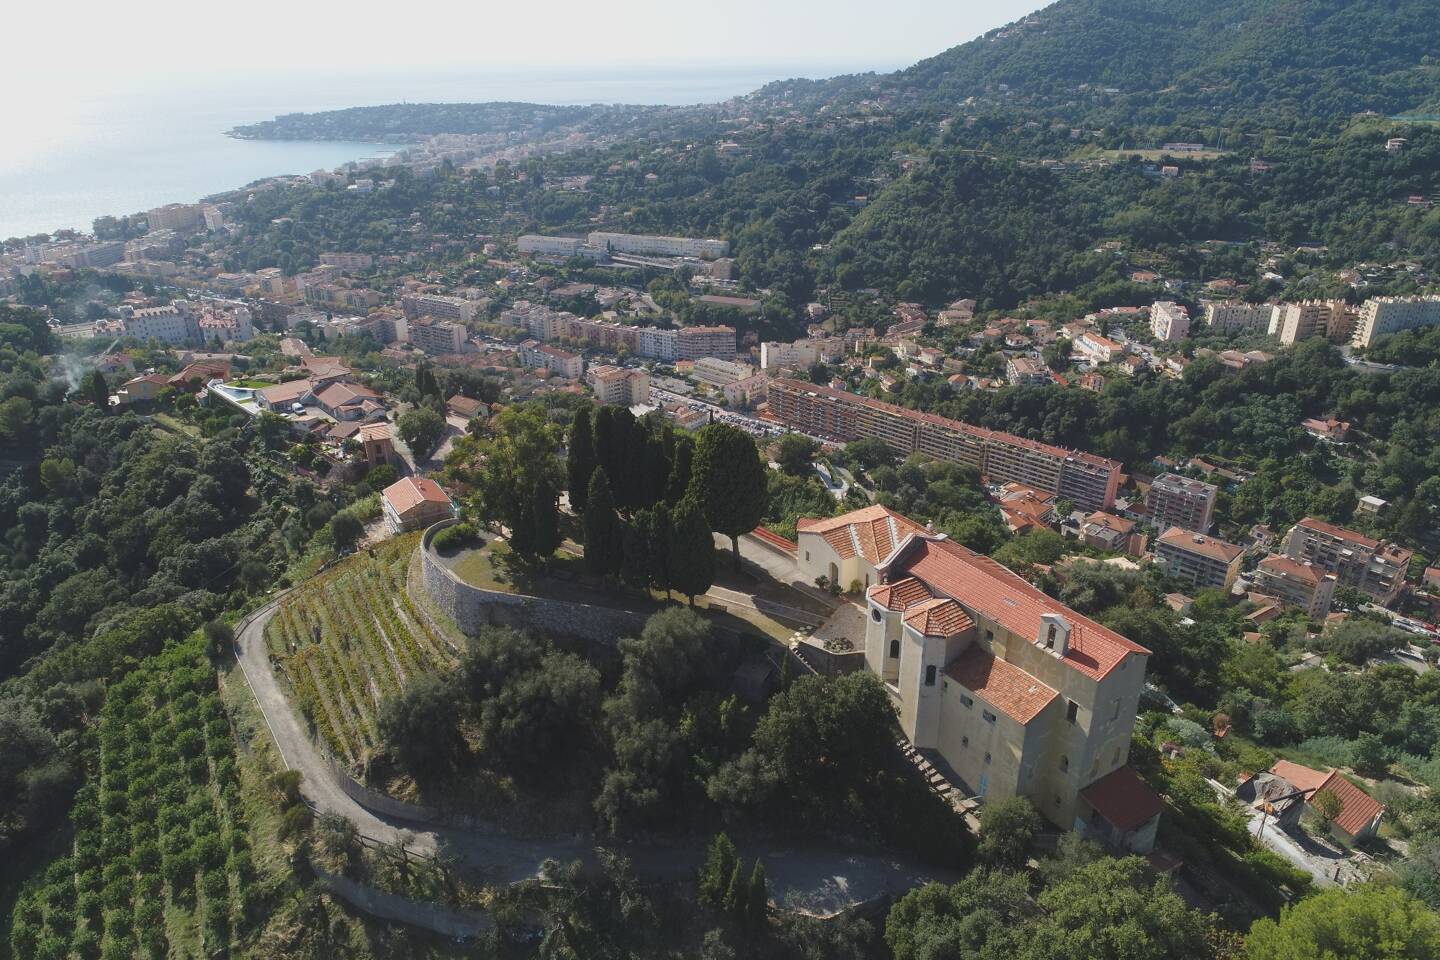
[(938, 782)]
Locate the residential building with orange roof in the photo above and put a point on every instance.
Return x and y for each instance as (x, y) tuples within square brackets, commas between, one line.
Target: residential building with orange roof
[(1360, 814), (846, 549), (1374, 567), (413, 503), (1017, 693), (1207, 562), (1296, 582)]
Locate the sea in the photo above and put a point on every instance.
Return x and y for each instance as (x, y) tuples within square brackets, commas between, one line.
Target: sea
[(122, 145)]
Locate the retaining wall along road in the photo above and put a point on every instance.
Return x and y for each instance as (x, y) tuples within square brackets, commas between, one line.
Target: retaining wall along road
[(473, 607)]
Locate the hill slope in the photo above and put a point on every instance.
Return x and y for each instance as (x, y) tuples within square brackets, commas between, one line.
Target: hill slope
[(1226, 59)]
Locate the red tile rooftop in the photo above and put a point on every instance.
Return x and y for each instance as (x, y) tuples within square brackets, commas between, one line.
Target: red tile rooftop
[(1004, 686), (1002, 596), (870, 532), (1123, 799)]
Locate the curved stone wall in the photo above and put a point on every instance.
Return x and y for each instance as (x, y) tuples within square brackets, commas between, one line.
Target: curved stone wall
[(473, 607)]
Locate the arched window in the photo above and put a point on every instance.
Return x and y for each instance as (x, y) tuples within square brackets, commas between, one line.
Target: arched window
[(930, 675), (894, 649), (1050, 637)]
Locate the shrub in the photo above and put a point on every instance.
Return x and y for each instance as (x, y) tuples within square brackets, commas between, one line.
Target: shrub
[(453, 538)]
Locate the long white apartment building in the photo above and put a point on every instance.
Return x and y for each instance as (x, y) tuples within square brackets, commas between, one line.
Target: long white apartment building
[(454, 309), (801, 354), (436, 336), (1296, 322), (649, 244), (538, 245), (542, 356), (717, 372), (1228, 316), (1381, 316)]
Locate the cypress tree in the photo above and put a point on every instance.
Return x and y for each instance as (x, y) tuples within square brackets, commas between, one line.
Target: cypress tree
[(602, 535), (654, 471), (522, 528), (736, 891), (99, 392), (692, 551), (635, 560), (679, 480), (580, 459), (757, 899), (546, 520), (657, 546)]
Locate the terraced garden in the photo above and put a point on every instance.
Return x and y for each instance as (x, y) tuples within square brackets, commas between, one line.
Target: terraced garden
[(161, 862), (351, 637)]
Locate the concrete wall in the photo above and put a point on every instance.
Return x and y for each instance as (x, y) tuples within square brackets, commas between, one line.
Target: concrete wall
[(472, 607)]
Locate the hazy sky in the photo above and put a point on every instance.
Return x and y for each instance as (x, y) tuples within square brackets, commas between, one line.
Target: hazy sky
[(68, 40)]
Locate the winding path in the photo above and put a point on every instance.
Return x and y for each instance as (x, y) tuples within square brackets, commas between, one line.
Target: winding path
[(820, 881)]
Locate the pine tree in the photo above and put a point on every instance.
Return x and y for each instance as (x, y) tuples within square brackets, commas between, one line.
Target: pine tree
[(692, 551), (757, 899), (720, 858), (546, 520), (580, 459), (603, 545)]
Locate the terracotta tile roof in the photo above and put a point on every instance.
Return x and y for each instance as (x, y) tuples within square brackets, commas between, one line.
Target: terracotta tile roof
[(1282, 565), (901, 594), (287, 392), (1123, 799), (376, 431), (407, 494), (1003, 685), (1301, 777), (870, 532), (1191, 542), (991, 590), (938, 617), (1357, 808), (1340, 532), (337, 394)]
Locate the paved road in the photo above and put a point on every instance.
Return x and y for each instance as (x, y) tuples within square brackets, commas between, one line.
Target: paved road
[(1320, 867), (819, 881)]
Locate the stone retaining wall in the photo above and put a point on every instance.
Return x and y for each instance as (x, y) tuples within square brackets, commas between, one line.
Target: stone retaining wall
[(473, 607), (449, 921)]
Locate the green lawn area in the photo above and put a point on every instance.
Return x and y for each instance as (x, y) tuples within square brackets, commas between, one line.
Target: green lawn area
[(252, 383), (168, 422)]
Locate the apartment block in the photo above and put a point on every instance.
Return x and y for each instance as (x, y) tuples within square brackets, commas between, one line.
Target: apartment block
[(1169, 321), (454, 309), (650, 245), (176, 216), (657, 343), (168, 324), (1084, 478), (619, 386), (692, 343), (1176, 501), (536, 245), (718, 372), (1204, 561), (348, 261), (1228, 316), (1020, 695), (539, 356), (1374, 567), (801, 354), (1297, 583), (1381, 316), (436, 337), (1026, 372), (1296, 322)]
